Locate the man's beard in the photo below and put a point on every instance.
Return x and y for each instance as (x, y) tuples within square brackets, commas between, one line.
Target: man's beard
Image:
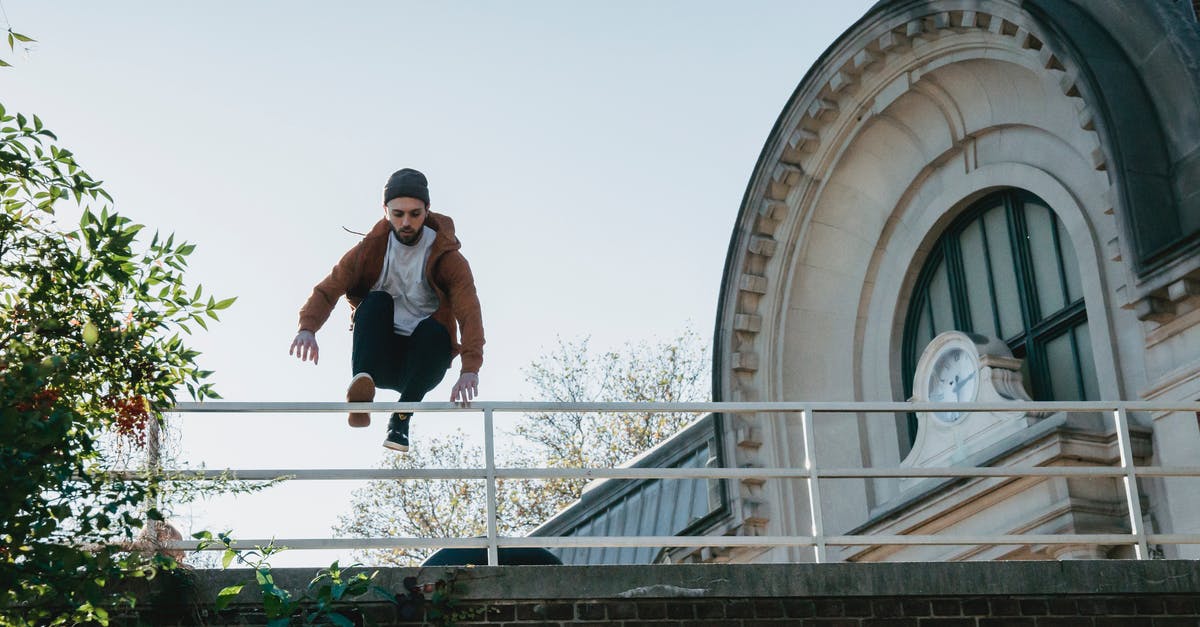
[(407, 239)]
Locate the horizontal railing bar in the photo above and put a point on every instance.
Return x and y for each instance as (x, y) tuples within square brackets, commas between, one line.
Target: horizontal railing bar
[(376, 474), (1173, 538), (956, 540), (305, 544), (698, 541), (1004, 471), (1167, 471), (725, 407)]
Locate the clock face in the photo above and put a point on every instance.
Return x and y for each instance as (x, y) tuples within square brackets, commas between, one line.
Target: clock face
[(954, 378)]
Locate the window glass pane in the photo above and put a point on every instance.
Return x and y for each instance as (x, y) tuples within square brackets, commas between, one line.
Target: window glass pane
[(1027, 381), (695, 508), (610, 527), (1060, 369), (1039, 221), (650, 496), (682, 505), (629, 510), (1083, 340), (939, 296), (923, 334), (979, 294), (599, 528), (714, 485), (587, 555), (1004, 277), (700, 494), (669, 497), (653, 496), (1070, 264), (1026, 377)]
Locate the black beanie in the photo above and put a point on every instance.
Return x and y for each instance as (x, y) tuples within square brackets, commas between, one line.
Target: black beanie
[(406, 182)]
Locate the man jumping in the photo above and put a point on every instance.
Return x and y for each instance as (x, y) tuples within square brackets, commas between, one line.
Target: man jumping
[(411, 292)]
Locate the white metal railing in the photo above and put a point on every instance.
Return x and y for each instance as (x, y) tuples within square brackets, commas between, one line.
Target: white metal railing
[(811, 473)]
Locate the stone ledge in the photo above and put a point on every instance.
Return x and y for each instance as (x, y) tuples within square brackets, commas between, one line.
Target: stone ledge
[(514, 583)]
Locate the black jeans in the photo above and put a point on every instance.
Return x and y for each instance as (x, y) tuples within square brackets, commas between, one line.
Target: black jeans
[(411, 365)]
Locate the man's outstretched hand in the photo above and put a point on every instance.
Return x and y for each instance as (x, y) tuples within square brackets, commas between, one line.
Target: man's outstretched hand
[(466, 388), (305, 346)]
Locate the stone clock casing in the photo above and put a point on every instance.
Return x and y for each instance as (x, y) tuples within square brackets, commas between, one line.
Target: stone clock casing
[(959, 367)]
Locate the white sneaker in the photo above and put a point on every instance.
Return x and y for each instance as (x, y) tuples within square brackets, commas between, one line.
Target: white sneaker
[(361, 390)]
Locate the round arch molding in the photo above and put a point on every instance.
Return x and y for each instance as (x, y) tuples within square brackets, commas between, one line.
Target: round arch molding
[(910, 100), (920, 108)]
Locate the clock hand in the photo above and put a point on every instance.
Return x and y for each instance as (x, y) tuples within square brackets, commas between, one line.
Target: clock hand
[(958, 386)]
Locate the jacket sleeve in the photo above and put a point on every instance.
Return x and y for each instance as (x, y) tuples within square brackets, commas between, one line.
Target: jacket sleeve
[(325, 295), (464, 304)]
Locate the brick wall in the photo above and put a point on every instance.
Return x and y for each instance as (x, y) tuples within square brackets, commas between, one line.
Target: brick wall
[(1033, 611), (1034, 594)]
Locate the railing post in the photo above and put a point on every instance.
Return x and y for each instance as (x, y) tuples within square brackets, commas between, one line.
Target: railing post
[(154, 528), (1132, 496), (814, 490), (489, 459)]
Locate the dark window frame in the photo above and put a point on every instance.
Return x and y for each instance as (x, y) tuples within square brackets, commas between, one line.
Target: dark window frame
[(1038, 328)]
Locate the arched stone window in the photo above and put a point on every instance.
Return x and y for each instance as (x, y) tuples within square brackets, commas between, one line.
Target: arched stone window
[(1006, 268)]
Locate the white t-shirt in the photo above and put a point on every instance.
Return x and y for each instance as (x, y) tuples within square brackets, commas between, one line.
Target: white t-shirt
[(403, 277)]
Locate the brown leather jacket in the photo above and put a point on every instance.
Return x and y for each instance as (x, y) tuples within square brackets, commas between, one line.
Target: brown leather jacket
[(447, 271)]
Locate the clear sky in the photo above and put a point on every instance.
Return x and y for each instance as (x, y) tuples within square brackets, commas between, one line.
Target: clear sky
[(593, 155)]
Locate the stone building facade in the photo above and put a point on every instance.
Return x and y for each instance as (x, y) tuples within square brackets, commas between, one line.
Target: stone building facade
[(1024, 171)]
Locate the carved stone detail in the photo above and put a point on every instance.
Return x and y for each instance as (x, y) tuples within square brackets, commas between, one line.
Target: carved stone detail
[(762, 245), (1167, 303), (754, 283), (803, 140), (745, 362), (748, 323), (1154, 309)]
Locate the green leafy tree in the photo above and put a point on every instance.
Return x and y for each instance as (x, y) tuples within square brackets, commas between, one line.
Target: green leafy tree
[(675, 370), (91, 345)]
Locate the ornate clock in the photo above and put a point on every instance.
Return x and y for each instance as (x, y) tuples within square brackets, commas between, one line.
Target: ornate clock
[(959, 367), (953, 376)]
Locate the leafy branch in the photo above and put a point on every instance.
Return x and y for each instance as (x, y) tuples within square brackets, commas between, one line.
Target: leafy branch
[(328, 599), (13, 39)]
